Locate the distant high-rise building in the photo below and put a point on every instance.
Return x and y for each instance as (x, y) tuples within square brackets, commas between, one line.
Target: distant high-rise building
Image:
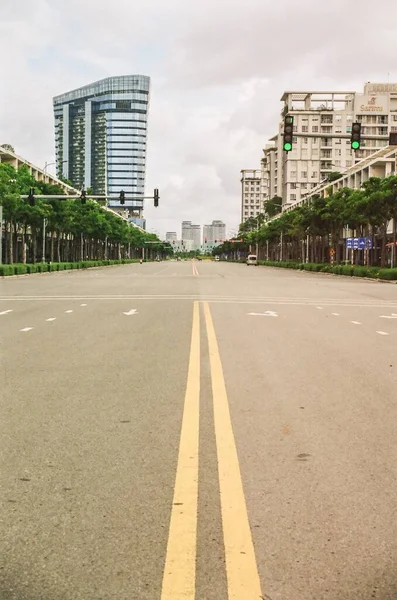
[(251, 193), (191, 232), (101, 135), (171, 236), (213, 234)]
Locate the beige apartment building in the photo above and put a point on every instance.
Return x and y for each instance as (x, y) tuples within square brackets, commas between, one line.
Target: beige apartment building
[(322, 127)]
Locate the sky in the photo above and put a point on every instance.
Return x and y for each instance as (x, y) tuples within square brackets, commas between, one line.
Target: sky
[(218, 69)]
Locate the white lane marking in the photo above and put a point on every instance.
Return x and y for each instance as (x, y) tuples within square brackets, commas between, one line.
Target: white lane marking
[(268, 313), (382, 333), (336, 314), (319, 307), (133, 311), (26, 329), (83, 305), (5, 312), (51, 319), (356, 322), (392, 316), (209, 298), (68, 311)]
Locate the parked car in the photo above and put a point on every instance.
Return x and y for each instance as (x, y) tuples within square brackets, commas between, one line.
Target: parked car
[(252, 260), (217, 258)]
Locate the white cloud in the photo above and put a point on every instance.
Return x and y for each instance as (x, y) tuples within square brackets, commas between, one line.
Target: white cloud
[(218, 71)]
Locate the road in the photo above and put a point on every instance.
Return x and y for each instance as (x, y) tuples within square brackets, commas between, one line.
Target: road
[(197, 431)]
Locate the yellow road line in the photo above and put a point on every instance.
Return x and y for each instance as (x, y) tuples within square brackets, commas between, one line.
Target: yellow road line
[(241, 568), (179, 579)]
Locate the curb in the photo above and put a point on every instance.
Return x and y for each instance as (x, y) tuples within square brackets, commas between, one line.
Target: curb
[(65, 271), (373, 279)]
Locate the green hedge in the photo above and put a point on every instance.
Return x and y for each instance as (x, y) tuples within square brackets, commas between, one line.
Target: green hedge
[(21, 269), (352, 271)]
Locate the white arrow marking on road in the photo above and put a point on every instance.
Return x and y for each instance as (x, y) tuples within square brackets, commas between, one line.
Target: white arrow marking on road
[(26, 329), (133, 311), (5, 312), (268, 313), (51, 319), (392, 316)]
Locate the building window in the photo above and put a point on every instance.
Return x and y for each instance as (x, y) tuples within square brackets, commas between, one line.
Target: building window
[(294, 139), (338, 152), (349, 118), (293, 174), (315, 140), (292, 196), (314, 174), (305, 128), (349, 163), (314, 151), (304, 174), (315, 129), (305, 139), (293, 186), (304, 186), (337, 118)]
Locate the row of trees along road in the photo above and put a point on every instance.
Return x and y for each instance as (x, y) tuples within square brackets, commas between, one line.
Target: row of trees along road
[(321, 225), (74, 231)]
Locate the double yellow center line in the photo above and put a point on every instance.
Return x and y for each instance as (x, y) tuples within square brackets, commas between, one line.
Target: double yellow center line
[(179, 579)]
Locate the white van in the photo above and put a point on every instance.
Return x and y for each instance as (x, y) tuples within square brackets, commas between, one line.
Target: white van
[(252, 260)]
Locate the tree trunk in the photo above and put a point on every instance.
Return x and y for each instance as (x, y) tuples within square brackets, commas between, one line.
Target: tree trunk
[(15, 244), (52, 247), (10, 245), (383, 262), (58, 246)]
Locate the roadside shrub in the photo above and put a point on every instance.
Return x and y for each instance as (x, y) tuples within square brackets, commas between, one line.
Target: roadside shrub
[(388, 274)]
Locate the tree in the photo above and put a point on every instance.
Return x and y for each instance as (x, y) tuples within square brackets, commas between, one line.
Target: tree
[(273, 206), (8, 147)]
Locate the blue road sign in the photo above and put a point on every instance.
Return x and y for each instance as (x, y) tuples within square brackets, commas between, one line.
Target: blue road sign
[(360, 243)]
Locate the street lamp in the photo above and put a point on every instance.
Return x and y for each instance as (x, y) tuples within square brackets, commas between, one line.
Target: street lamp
[(52, 163)]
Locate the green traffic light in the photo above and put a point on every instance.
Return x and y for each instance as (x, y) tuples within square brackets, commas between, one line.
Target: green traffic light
[(355, 145), (287, 146)]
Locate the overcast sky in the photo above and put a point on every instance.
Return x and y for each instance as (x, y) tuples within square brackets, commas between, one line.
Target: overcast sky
[(218, 70)]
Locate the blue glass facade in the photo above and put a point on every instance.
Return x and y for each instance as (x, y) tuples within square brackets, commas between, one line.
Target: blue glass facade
[(101, 137)]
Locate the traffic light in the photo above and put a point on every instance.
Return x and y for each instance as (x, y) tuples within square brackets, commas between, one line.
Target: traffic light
[(122, 197), (156, 197), (356, 136), (288, 132), (83, 196), (31, 197)]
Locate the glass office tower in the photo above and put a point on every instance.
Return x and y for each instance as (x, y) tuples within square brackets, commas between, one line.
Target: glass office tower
[(101, 136)]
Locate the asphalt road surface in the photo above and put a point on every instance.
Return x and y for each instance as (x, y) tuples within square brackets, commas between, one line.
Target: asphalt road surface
[(197, 431)]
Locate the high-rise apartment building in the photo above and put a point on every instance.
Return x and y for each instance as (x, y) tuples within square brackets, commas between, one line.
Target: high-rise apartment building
[(193, 233), (101, 137), (213, 234), (251, 193), (322, 132), (171, 236)]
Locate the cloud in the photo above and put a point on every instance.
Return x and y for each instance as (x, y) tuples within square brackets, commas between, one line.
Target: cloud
[(218, 71)]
